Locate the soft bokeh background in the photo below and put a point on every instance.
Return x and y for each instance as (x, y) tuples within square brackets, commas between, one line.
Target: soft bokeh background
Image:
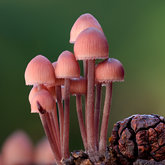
[(136, 34)]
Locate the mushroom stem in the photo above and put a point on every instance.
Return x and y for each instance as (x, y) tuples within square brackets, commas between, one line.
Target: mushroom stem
[(44, 119), (61, 112), (80, 120), (54, 128), (105, 118), (55, 122), (65, 149), (85, 66), (97, 112), (90, 107)]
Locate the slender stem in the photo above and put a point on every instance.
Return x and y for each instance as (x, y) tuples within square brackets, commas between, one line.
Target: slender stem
[(55, 118), (61, 112), (97, 112), (105, 118), (54, 128), (53, 145), (90, 107), (80, 120), (65, 150), (85, 66)]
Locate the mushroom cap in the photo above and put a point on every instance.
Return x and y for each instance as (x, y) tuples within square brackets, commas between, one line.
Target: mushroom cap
[(17, 149), (34, 90), (91, 44), (45, 99), (67, 66), (109, 70), (43, 153), (59, 81), (83, 22), (39, 71), (78, 86)]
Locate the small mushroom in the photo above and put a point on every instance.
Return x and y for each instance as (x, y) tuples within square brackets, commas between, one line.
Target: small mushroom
[(67, 67), (83, 22), (78, 87), (43, 153), (106, 72), (17, 149), (44, 102)]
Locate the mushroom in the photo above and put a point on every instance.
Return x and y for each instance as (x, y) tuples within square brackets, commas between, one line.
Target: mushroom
[(106, 72), (40, 71), (67, 67), (44, 102), (83, 22), (43, 153), (78, 87), (91, 44), (17, 149)]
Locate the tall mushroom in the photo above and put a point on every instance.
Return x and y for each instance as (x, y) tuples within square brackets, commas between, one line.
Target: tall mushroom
[(40, 71), (83, 22), (67, 67), (91, 44), (78, 87), (106, 72)]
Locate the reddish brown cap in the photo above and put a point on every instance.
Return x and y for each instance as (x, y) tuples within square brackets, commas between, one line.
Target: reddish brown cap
[(83, 22), (67, 66), (17, 149), (39, 71), (109, 70), (91, 44), (43, 153), (78, 86), (45, 99)]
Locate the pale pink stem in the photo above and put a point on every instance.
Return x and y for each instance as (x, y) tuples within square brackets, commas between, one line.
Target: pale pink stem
[(65, 150), (61, 112), (90, 107), (105, 118), (85, 67), (97, 112), (81, 120)]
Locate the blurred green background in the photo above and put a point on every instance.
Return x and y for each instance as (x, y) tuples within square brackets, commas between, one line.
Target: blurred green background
[(136, 34)]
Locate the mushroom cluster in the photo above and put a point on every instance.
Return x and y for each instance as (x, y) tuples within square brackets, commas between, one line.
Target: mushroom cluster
[(56, 82)]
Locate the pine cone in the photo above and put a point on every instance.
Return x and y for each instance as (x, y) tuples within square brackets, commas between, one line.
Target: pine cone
[(138, 137)]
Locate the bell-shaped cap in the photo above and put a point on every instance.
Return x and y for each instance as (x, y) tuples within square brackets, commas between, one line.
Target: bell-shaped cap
[(59, 81), (91, 44), (109, 70), (83, 22), (45, 99), (17, 149), (43, 153), (67, 66), (39, 71), (78, 86), (34, 90)]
